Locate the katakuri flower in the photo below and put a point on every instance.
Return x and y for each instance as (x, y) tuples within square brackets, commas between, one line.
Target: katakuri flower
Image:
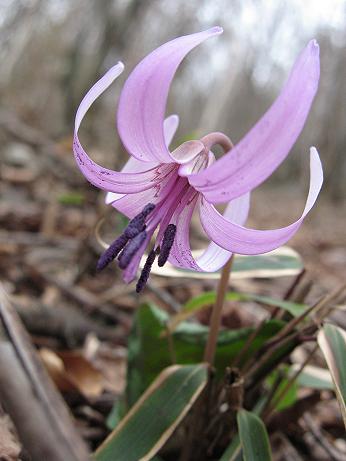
[(159, 189)]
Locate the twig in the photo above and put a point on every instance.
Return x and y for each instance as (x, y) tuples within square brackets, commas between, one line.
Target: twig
[(271, 408), (296, 282), (290, 326), (37, 410), (277, 312), (248, 343), (263, 359), (85, 298), (332, 452)]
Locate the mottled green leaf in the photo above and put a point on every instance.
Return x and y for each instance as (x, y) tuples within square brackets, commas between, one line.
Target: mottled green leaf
[(205, 300), (332, 341), (152, 420), (278, 263)]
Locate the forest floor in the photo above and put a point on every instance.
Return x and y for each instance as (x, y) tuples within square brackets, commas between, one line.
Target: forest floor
[(79, 320)]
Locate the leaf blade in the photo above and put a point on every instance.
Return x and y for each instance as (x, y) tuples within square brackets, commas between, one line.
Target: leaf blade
[(152, 420), (332, 341), (253, 437)]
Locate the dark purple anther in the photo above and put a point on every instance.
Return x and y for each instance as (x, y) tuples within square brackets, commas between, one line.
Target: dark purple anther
[(167, 243), (130, 249), (137, 224), (146, 271), (112, 252)]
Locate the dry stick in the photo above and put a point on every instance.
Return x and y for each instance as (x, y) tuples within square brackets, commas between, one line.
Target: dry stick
[(40, 415), (295, 283), (262, 360), (289, 327), (332, 451), (276, 311), (215, 320), (289, 292), (248, 343), (267, 414)]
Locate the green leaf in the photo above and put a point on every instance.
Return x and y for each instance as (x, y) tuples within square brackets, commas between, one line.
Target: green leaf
[(205, 300), (278, 263), (233, 451), (290, 396), (313, 377), (149, 349), (155, 416), (71, 198), (253, 437), (332, 341)]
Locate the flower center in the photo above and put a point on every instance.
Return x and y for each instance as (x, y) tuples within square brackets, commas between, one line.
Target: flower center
[(205, 158), (177, 192), (137, 235)]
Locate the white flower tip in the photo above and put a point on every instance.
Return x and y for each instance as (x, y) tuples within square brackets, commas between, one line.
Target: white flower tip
[(314, 46), (217, 30), (315, 163), (117, 69), (110, 197)]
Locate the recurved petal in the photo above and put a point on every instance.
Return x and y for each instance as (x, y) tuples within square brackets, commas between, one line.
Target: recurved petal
[(143, 99), (238, 239), (104, 178), (267, 144), (134, 165), (214, 257)]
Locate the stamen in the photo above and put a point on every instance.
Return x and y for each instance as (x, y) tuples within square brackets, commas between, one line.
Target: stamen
[(112, 252), (130, 249), (136, 225), (167, 243), (146, 271)]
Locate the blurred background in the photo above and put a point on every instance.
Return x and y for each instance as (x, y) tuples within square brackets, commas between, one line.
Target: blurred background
[(53, 50)]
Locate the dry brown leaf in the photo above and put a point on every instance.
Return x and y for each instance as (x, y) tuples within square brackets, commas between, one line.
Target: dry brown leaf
[(72, 371)]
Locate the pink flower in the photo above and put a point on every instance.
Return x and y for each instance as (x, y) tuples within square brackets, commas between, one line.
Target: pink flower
[(159, 189)]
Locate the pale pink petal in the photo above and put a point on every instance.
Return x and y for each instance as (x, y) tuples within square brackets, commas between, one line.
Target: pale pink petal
[(131, 166), (143, 99), (187, 151), (134, 165), (238, 239), (104, 178), (170, 126), (214, 257), (132, 204), (267, 144)]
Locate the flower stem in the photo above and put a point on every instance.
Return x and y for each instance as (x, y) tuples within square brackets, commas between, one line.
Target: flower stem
[(215, 320)]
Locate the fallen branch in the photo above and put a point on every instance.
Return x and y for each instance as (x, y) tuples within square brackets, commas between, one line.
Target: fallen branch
[(41, 418)]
